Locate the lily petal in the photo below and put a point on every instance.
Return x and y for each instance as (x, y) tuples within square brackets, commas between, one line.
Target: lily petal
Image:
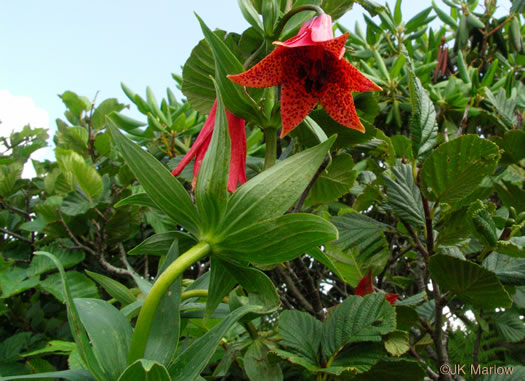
[(353, 79), (296, 104), (236, 127), (339, 104), (201, 143), (268, 72)]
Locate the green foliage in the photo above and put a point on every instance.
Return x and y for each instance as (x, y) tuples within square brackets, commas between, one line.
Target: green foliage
[(429, 199)]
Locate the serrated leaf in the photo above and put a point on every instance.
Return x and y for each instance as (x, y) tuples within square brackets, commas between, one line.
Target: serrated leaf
[(301, 334), (88, 179), (257, 365), (456, 168), (509, 270), (480, 216), (357, 319), (404, 196), (68, 258), (396, 343), (423, 125), (470, 281), (510, 325)]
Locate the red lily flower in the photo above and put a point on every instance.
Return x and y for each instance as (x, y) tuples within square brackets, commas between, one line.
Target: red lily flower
[(366, 287), (237, 131), (311, 69)]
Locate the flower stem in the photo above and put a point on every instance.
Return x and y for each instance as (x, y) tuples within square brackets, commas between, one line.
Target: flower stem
[(160, 287), (270, 136), (293, 12)]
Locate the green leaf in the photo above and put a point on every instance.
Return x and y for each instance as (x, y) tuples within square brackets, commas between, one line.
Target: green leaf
[(75, 204), (511, 248), (159, 244), (77, 330), (337, 8), (11, 347), (277, 240), (9, 174), (260, 288), (404, 196), (423, 125), (88, 179), (165, 329), (273, 191), (80, 286), (509, 270), (211, 194), (456, 168), (141, 199), (233, 95), (71, 375), (109, 332), (221, 283), (356, 320), (145, 370), (512, 143), (164, 189), (74, 103), (59, 347), (250, 14), (480, 216), (510, 325), (257, 365), (197, 85), (103, 109), (14, 281), (68, 258), (114, 288), (334, 182), (190, 363), (301, 334), (396, 343), (470, 281)]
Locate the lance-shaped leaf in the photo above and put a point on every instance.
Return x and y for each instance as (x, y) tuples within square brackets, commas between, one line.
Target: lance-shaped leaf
[(260, 288), (404, 196), (211, 192), (277, 240), (77, 330), (145, 370), (114, 288), (190, 363), (470, 281), (71, 375), (234, 97), (164, 189), (159, 244), (220, 284), (109, 333), (273, 191), (456, 168)]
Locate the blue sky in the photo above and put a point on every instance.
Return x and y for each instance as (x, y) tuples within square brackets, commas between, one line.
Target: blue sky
[(52, 46)]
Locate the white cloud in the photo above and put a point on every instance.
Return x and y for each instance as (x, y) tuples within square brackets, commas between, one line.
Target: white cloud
[(15, 113)]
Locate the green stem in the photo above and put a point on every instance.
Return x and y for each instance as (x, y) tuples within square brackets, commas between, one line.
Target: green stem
[(160, 287), (270, 135), (293, 12), (251, 330), (193, 294)]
